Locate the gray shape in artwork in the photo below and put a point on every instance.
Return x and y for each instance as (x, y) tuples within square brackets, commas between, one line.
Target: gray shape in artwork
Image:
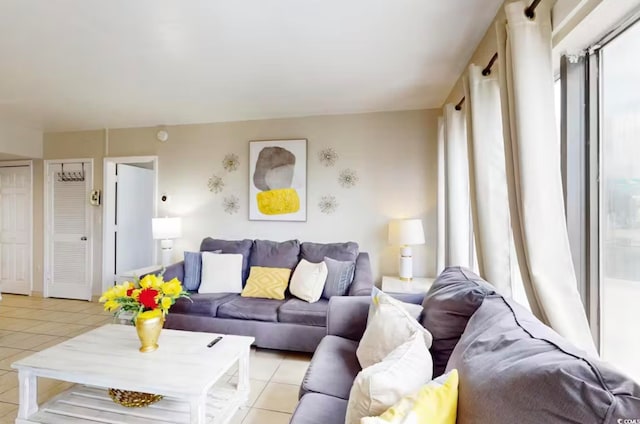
[(279, 177), (269, 159)]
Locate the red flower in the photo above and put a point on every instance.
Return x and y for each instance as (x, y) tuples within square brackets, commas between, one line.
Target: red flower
[(129, 292), (148, 298)]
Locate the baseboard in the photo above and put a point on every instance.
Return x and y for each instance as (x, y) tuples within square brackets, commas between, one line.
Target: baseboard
[(94, 298)]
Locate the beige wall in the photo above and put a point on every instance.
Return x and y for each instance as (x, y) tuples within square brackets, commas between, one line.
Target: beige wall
[(19, 141), (394, 154)]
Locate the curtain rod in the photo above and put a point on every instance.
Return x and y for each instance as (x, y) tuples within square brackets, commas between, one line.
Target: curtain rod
[(530, 12), (486, 71)]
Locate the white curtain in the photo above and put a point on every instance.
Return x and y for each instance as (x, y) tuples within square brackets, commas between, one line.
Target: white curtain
[(533, 173), (441, 248), (457, 205), (488, 181)]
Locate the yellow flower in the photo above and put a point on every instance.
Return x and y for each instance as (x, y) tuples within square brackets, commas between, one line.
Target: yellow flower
[(146, 282), (172, 288), (108, 295), (135, 294), (150, 314), (120, 291), (111, 305), (166, 303)]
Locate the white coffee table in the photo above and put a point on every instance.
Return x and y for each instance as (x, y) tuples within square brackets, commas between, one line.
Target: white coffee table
[(183, 369)]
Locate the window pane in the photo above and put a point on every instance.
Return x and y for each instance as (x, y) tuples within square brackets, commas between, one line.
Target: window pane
[(620, 201)]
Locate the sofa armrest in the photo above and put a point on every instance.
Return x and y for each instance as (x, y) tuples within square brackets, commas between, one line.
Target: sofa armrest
[(347, 316), (363, 278), (172, 271)]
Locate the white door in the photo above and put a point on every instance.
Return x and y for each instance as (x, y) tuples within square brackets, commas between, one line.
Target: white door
[(69, 228), (134, 212), (15, 240)]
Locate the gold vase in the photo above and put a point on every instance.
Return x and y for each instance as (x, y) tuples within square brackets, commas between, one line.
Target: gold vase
[(148, 329)]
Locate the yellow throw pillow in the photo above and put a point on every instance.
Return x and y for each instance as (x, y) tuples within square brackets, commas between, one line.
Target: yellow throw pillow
[(434, 403), (267, 283)]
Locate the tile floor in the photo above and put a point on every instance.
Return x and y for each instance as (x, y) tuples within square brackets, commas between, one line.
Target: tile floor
[(29, 325)]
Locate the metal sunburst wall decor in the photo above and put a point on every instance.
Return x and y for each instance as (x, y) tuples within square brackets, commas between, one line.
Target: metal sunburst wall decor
[(231, 162), (348, 178), (328, 157), (328, 204), (216, 184), (231, 204)]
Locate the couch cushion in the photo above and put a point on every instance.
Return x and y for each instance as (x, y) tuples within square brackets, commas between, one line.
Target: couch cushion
[(242, 247), (316, 408), (453, 298), (315, 252), (298, 311), (272, 254), (535, 376), (202, 304), (251, 308), (333, 368)]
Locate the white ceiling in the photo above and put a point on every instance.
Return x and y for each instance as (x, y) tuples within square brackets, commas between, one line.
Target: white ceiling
[(84, 64)]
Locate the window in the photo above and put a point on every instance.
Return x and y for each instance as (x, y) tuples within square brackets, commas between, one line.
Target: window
[(620, 200)]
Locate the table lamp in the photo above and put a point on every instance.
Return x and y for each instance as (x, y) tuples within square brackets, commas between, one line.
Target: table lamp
[(406, 233), (165, 230)]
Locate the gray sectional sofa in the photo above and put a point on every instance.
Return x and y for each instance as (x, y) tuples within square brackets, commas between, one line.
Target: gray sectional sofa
[(512, 368), (289, 324)]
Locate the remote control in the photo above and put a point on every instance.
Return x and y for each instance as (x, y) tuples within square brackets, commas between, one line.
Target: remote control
[(214, 341)]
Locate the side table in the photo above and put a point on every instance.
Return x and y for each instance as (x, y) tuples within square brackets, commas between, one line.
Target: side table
[(129, 275), (416, 285)]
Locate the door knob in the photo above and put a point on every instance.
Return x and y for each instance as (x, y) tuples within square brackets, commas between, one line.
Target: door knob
[(83, 238)]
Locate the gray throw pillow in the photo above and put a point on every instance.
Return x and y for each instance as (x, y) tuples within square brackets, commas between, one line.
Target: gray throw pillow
[(453, 298), (339, 277)]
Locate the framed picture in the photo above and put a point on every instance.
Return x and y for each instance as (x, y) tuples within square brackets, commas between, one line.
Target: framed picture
[(278, 180)]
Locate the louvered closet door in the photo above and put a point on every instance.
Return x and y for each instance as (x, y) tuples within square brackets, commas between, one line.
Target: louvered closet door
[(15, 241), (70, 255)]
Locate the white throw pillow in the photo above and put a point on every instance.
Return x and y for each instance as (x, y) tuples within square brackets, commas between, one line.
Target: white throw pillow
[(390, 326), (221, 273), (378, 297), (308, 280), (402, 372)]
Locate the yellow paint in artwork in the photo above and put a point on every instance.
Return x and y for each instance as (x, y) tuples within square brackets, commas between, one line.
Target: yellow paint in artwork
[(278, 202)]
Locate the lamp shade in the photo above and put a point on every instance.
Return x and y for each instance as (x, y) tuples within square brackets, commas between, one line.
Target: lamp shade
[(406, 232), (166, 228)]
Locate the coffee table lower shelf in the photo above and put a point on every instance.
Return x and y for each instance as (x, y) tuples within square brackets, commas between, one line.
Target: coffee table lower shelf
[(84, 404)]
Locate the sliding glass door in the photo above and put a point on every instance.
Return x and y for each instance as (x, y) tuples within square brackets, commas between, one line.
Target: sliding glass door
[(620, 201)]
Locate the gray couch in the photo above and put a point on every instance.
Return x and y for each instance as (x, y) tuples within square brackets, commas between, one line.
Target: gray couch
[(289, 324), (512, 368)]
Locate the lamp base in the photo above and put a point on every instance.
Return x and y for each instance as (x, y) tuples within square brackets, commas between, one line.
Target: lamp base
[(167, 251), (406, 264)]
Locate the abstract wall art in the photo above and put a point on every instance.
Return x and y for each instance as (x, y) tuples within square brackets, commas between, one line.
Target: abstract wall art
[(278, 180)]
